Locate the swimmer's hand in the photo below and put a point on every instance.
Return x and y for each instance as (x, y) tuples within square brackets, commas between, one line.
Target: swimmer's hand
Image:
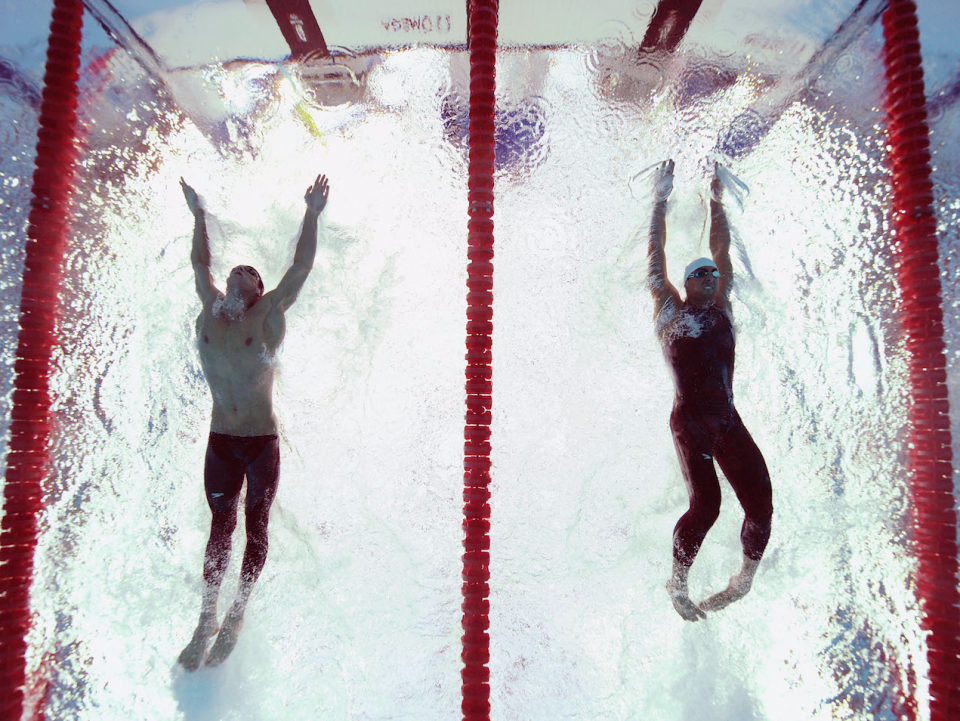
[(726, 183), (316, 195), (663, 181), (716, 185), (193, 200)]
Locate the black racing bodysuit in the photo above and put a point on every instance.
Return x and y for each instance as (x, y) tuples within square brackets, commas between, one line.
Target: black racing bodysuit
[(228, 460), (699, 348)]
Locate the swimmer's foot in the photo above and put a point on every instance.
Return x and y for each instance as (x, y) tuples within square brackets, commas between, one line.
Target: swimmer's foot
[(679, 595), (192, 656), (738, 587), (682, 603), (227, 638)]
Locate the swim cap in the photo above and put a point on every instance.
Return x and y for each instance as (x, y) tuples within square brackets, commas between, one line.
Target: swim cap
[(695, 265)]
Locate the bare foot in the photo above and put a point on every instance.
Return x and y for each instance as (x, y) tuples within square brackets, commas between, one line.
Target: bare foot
[(192, 656), (227, 638), (681, 601), (738, 588)]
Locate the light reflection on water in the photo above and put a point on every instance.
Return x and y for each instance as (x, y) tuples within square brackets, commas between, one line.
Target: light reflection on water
[(357, 612)]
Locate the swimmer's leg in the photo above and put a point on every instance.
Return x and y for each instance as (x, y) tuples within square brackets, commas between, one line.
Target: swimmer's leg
[(743, 465), (694, 451), (680, 594), (223, 478), (263, 476)]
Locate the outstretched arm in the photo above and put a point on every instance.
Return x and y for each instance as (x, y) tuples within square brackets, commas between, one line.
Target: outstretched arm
[(660, 286), (200, 253), (720, 240), (286, 291)]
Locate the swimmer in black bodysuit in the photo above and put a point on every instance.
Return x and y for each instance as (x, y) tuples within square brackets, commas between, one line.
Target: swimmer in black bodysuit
[(698, 342), (238, 333)]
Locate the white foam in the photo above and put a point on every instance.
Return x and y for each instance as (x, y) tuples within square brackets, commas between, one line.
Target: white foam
[(357, 613)]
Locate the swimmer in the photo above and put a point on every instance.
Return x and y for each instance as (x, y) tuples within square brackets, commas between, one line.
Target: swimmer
[(698, 342), (238, 333)]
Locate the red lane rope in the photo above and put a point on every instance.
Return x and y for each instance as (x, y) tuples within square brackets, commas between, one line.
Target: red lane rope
[(930, 458), (28, 457), (930, 453), (482, 45)]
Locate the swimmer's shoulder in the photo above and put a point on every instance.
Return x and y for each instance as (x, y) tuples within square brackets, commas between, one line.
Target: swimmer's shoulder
[(204, 316), (667, 319), (210, 301)]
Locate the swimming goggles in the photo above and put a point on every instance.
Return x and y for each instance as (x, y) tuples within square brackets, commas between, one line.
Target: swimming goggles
[(703, 272)]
